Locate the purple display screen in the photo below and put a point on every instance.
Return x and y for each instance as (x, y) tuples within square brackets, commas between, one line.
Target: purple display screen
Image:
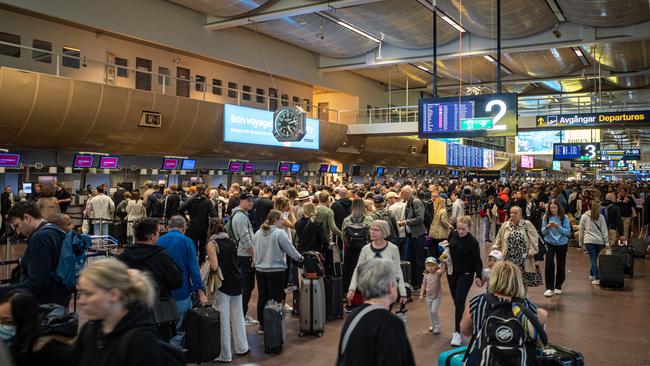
[(249, 167), (170, 164), (9, 160), (234, 166), (108, 162), (324, 168), (83, 161), (284, 167)]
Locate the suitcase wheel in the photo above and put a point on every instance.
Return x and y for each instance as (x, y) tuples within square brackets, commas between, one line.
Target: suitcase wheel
[(301, 333), (319, 334)]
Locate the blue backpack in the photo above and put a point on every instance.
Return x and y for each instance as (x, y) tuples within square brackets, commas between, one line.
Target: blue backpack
[(72, 258)]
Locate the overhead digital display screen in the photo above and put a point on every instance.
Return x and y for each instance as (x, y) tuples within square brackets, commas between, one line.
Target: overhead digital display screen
[(537, 142), (255, 126), (527, 162), (576, 151), (441, 153), (108, 162), (323, 168), (295, 168), (83, 161), (380, 170), (471, 115), (249, 167), (333, 168), (234, 166), (9, 160), (557, 165), (170, 164), (284, 167), (622, 154), (593, 119), (188, 164)]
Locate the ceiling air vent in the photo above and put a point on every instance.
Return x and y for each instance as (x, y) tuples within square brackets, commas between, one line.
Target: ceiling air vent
[(151, 119)]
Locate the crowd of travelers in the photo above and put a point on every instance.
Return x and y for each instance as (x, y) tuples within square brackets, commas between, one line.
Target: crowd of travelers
[(256, 236)]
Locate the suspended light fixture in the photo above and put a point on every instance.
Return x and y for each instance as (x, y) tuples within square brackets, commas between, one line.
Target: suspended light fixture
[(349, 26)]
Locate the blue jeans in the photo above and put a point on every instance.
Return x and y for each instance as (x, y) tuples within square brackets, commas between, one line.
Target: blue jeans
[(403, 244), (183, 306), (100, 229), (488, 225), (594, 250)]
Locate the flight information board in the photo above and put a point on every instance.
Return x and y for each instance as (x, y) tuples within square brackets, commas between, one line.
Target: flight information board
[(622, 154), (471, 115), (576, 151), (466, 156)]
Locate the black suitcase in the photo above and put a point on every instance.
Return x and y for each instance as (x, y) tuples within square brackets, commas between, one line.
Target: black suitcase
[(640, 246), (334, 297), (560, 356), (406, 271), (202, 335), (611, 271), (274, 332), (627, 253)]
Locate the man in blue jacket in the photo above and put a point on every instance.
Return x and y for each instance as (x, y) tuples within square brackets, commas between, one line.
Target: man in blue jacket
[(38, 264), (182, 250)]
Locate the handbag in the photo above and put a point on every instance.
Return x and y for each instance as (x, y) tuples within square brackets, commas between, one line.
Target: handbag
[(164, 310)]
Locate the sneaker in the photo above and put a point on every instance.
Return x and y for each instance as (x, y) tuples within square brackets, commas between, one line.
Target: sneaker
[(595, 282), (260, 331), (431, 329), (436, 329), (456, 340), (548, 293), (591, 278), (288, 308), (558, 291), (251, 321), (347, 309)]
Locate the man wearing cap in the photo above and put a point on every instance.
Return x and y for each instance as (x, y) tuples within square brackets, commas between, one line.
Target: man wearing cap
[(396, 207), (243, 235)]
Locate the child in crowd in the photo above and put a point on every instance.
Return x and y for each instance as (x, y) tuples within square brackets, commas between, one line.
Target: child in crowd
[(494, 257), (430, 292)]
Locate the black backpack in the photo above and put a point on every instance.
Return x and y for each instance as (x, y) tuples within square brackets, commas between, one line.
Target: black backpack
[(357, 234), (573, 206), (392, 224), (502, 339), (157, 204), (428, 213)]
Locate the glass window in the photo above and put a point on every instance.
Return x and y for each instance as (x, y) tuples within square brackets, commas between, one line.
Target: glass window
[(122, 72), (73, 60), (12, 51), (232, 90), (284, 100), (200, 83), (259, 98), (216, 86), (164, 73), (42, 56), (307, 104), (273, 99), (246, 95), (296, 101), (368, 110)]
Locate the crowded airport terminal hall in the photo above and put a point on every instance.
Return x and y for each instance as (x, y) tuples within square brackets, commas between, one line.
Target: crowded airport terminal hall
[(324, 182)]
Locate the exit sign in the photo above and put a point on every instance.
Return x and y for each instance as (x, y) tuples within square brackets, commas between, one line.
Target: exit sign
[(470, 124)]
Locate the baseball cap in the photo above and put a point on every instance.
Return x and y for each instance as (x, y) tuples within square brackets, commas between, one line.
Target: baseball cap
[(378, 198), (245, 196), (391, 194), (432, 260), (496, 254)]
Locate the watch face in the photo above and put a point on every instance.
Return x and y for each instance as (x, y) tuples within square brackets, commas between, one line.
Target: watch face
[(286, 124)]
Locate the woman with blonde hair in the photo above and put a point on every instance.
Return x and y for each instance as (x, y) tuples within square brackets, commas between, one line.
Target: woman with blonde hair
[(506, 286), (593, 237), (311, 236), (117, 302), (441, 225)]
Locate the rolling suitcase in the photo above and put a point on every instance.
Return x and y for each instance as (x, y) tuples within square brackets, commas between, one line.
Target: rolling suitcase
[(312, 306), (274, 332), (611, 271), (453, 357), (334, 297), (202, 327), (406, 273), (560, 356), (639, 246), (627, 253)]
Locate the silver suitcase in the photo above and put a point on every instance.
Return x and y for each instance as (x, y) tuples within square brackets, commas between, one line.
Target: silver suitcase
[(312, 306)]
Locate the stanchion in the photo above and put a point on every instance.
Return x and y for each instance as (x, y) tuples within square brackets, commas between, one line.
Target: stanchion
[(7, 254)]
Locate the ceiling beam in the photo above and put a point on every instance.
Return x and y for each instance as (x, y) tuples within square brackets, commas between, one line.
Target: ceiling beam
[(571, 35), (281, 9)]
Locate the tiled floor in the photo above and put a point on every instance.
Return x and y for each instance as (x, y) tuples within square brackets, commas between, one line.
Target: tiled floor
[(610, 327)]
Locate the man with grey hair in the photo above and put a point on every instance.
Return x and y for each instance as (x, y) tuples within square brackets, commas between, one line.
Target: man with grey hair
[(415, 232), (372, 335), (181, 249)]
